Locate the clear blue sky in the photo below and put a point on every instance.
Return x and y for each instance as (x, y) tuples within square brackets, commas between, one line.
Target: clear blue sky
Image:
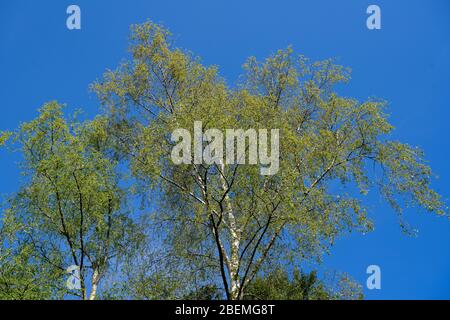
[(406, 62)]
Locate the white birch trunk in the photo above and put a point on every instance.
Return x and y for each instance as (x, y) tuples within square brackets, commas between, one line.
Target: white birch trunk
[(235, 234), (95, 279)]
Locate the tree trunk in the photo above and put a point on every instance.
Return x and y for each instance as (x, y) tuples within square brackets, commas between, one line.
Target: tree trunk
[(95, 279), (235, 242)]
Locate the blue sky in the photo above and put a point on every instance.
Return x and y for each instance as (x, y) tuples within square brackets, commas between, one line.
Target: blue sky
[(406, 62)]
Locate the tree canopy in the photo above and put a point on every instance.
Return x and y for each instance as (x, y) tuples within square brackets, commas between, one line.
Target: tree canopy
[(70, 210), (219, 225)]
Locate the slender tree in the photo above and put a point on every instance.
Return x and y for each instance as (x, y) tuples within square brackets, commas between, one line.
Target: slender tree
[(70, 210), (228, 218)]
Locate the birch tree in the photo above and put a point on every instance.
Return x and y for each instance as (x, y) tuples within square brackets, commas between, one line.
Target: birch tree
[(228, 218), (70, 209)]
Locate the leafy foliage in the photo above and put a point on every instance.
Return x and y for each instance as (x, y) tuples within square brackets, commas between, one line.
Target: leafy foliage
[(70, 210), (215, 225), (279, 285), (23, 276), (229, 216)]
